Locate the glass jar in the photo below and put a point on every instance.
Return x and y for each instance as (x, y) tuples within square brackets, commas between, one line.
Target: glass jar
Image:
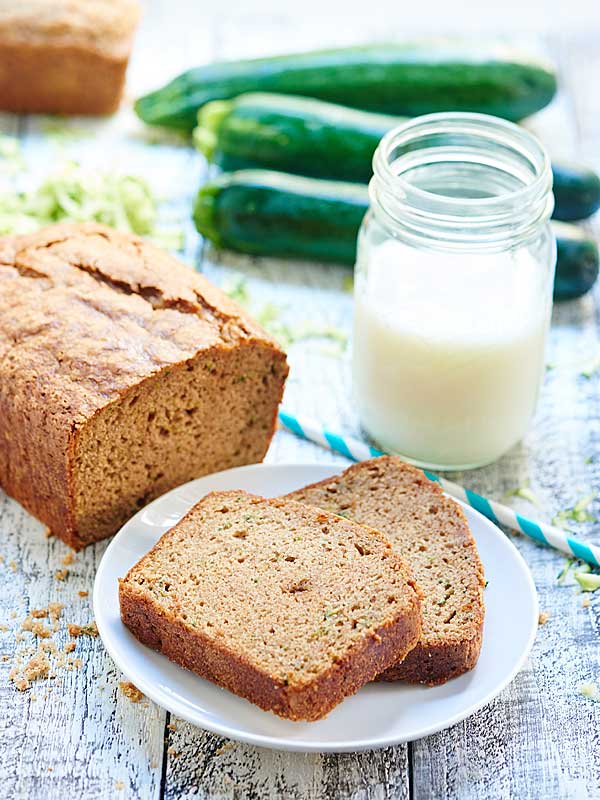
[(453, 289)]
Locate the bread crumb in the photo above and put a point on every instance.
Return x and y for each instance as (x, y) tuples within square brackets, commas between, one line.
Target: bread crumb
[(224, 747), (13, 565), (68, 559), (172, 726), (5, 658), (119, 786), (13, 614), (38, 613), (3, 628), (33, 697), (48, 646), (543, 617), (80, 630), (153, 765), (83, 594), (55, 610), (77, 663), (2, 559), (20, 682), (61, 574), (585, 603), (172, 752), (48, 533), (36, 627), (131, 691), (69, 647), (37, 667)]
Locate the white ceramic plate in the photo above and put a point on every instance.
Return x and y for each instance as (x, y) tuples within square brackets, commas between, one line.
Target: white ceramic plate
[(381, 714)]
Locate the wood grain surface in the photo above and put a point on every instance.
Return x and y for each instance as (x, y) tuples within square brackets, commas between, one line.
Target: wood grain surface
[(78, 735)]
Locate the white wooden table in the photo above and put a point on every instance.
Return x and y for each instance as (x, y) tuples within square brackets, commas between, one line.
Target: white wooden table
[(78, 735)]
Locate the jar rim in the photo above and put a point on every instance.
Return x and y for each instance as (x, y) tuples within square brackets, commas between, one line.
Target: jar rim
[(463, 137)]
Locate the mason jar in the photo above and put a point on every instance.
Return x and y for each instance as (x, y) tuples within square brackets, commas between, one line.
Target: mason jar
[(453, 289)]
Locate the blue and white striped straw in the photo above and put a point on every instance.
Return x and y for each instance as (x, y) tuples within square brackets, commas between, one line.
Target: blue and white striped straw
[(496, 512)]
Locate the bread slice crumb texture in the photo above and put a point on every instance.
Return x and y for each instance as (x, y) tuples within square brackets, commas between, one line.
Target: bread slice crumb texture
[(289, 606), (431, 532)]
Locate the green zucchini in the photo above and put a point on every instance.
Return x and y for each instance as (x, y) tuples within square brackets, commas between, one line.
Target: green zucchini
[(274, 214), (325, 140), (576, 262), (291, 134), (271, 213), (410, 79), (576, 191)]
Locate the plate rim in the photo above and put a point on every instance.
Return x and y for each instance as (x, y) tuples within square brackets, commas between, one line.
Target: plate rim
[(279, 743)]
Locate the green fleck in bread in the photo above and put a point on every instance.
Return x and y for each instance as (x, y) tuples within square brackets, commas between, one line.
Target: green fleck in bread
[(431, 532), (286, 605)]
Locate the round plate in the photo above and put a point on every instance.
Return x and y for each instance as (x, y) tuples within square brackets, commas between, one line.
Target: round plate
[(381, 714)]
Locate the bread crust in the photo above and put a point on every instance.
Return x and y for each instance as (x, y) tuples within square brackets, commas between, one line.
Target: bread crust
[(65, 56), (217, 663), (212, 659), (433, 660), (78, 338), (59, 79)]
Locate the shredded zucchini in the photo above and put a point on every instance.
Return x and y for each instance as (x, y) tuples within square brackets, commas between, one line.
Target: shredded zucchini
[(269, 316), (76, 194), (578, 513), (525, 493)]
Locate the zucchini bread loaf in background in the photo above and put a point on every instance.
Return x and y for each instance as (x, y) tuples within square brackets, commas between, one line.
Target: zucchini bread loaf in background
[(123, 373), (65, 56), (286, 605)]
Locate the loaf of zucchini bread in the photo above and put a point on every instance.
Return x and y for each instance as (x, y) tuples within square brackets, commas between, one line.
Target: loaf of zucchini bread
[(65, 56), (123, 373)]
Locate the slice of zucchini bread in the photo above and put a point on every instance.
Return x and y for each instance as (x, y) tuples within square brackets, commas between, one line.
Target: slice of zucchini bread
[(431, 532), (286, 605), (123, 373)]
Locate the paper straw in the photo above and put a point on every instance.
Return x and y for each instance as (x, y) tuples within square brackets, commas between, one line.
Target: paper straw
[(496, 512)]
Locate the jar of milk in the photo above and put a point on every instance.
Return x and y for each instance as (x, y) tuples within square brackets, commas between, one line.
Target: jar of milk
[(453, 289)]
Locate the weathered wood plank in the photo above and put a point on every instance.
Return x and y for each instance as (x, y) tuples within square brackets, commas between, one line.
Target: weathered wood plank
[(206, 766)]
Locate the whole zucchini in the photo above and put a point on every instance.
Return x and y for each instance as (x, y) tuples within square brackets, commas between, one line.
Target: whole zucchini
[(271, 213), (411, 79), (326, 140), (576, 262), (576, 191), (291, 134), (274, 214)]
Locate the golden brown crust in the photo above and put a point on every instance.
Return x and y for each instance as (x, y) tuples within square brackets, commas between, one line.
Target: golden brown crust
[(437, 663), (173, 629), (65, 56), (92, 319), (437, 657), (221, 665)]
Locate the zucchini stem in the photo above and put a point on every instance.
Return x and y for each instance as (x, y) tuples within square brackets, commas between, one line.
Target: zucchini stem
[(210, 118)]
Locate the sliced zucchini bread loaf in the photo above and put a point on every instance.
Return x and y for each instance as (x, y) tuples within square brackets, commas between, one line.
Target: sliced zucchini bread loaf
[(431, 532), (286, 605), (123, 373)]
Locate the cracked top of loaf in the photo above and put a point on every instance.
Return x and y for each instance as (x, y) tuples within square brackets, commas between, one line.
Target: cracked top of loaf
[(86, 312)]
